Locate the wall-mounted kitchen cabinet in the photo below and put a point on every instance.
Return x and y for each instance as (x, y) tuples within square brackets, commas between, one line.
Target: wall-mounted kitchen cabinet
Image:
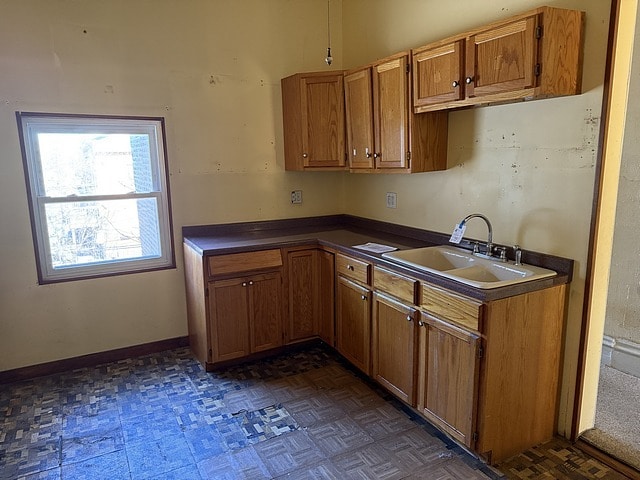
[(537, 54), (383, 133), (313, 120)]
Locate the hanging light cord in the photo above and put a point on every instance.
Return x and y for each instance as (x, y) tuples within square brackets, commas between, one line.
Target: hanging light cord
[(329, 58)]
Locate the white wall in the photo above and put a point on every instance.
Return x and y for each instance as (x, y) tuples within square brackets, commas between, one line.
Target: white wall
[(528, 166), (212, 68)]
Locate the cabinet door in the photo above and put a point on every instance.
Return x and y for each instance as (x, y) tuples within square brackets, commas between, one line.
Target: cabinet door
[(394, 347), (302, 271), (353, 323), (265, 303), (322, 103), (449, 377), (327, 295), (359, 116), (438, 74), (228, 310), (502, 59), (391, 113)]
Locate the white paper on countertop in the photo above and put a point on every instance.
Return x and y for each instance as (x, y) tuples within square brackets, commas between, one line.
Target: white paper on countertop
[(375, 247)]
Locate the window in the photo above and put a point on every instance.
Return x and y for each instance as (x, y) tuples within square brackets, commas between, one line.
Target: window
[(98, 194)]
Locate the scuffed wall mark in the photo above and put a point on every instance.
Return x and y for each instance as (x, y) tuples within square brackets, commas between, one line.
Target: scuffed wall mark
[(591, 131), (108, 89)]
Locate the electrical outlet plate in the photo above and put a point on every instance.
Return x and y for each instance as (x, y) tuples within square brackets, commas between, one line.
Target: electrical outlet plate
[(392, 200), (296, 197)]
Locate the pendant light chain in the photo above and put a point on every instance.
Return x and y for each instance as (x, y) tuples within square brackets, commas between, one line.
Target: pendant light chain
[(328, 58)]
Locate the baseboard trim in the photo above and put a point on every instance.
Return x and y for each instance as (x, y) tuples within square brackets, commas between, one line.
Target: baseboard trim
[(621, 354), (90, 360)]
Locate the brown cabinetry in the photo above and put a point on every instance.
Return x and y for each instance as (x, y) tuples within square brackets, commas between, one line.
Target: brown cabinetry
[(353, 311), (448, 382), (485, 367), (313, 120), (383, 134), (473, 368), (353, 323), (534, 55), (246, 315), (310, 283), (394, 346), (234, 303)]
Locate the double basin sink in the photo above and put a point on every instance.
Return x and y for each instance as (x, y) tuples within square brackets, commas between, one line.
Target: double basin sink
[(462, 266)]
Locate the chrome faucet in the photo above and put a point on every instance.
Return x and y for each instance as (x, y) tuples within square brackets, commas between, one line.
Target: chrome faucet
[(489, 251)]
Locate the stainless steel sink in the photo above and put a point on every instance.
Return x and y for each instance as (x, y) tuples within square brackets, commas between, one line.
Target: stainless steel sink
[(460, 265)]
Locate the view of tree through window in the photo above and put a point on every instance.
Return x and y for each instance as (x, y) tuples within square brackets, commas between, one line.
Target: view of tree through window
[(98, 193)]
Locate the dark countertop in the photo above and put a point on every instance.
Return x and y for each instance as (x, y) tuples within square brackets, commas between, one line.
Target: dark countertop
[(342, 232)]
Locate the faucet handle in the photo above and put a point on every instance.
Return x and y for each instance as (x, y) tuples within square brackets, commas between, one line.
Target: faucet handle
[(503, 254), (518, 254)]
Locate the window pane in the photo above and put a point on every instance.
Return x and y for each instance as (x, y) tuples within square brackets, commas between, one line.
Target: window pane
[(100, 232), (95, 164)]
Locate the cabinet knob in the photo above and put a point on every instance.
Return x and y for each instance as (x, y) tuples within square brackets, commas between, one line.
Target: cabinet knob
[(244, 284), (468, 80), (355, 154), (455, 83), (350, 267), (409, 318), (304, 155), (251, 282), (377, 155), (367, 153), (363, 297), (420, 323)]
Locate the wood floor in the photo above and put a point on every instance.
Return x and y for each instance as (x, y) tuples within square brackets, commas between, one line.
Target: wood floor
[(304, 415)]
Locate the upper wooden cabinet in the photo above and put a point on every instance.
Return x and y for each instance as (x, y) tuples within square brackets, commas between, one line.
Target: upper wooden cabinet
[(383, 134), (313, 120), (534, 55)]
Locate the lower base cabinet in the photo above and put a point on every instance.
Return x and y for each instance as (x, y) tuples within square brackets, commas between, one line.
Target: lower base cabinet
[(246, 315), (486, 373), (448, 377), (311, 292), (353, 323), (394, 347)]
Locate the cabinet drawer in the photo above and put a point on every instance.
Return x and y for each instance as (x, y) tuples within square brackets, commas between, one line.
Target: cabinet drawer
[(461, 310), (352, 268), (244, 262), (395, 284)]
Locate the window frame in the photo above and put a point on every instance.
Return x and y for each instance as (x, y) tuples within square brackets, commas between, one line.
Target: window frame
[(32, 123)]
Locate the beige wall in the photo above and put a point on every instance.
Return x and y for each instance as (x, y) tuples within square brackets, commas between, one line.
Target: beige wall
[(213, 69), (529, 166)]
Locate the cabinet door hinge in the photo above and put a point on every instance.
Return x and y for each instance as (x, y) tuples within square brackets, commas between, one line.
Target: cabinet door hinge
[(475, 436), (408, 68), (206, 292), (537, 70), (539, 31), (210, 353), (480, 351)]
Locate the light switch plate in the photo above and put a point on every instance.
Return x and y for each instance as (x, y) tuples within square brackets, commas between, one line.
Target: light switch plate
[(392, 200)]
